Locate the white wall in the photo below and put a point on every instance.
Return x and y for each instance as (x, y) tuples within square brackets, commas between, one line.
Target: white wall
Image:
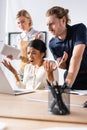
[(37, 9), (2, 20)]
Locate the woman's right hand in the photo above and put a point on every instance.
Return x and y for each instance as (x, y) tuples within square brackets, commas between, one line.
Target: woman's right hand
[(9, 66)]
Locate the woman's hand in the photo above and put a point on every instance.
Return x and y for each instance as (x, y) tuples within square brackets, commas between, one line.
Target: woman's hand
[(11, 68), (10, 57), (8, 66), (24, 59), (49, 68), (38, 36)]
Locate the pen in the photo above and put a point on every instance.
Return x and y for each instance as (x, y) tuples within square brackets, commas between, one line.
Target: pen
[(51, 87)]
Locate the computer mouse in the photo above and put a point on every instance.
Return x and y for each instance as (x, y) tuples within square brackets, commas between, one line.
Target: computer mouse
[(85, 104)]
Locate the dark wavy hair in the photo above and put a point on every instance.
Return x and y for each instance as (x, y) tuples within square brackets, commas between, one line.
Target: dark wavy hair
[(38, 44)]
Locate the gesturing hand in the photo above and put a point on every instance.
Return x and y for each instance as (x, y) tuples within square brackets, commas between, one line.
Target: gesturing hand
[(62, 60), (49, 67), (8, 66)]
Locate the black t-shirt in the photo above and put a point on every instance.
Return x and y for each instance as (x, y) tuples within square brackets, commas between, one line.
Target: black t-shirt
[(76, 34)]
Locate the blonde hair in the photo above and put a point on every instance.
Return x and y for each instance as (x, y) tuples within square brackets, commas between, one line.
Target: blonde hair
[(25, 14), (59, 12)]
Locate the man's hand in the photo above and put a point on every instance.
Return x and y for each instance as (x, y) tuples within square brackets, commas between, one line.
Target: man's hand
[(62, 60)]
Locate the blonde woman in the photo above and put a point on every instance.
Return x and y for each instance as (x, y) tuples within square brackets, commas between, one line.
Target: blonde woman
[(25, 23)]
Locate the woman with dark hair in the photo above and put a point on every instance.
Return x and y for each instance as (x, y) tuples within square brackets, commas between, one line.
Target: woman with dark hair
[(34, 72)]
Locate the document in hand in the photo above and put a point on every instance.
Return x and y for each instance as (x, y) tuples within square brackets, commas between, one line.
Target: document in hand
[(9, 50)]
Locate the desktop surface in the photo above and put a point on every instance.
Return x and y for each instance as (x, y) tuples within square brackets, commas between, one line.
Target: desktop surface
[(21, 107)]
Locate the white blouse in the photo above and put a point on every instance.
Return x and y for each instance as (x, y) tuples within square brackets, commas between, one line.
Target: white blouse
[(32, 80), (29, 36)]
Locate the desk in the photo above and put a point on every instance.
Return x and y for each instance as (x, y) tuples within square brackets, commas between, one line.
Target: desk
[(20, 109), (22, 124)]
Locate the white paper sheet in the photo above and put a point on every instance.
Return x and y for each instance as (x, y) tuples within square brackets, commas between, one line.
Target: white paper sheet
[(2, 126), (79, 92)]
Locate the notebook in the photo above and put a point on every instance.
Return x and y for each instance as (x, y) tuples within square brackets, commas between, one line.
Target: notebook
[(9, 50), (7, 87)]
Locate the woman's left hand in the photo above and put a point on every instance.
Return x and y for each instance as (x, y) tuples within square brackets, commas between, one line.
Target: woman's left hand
[(49, 68)]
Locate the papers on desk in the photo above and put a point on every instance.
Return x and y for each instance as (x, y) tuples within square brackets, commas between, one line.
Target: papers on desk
[(2, 126), (79, 92)]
